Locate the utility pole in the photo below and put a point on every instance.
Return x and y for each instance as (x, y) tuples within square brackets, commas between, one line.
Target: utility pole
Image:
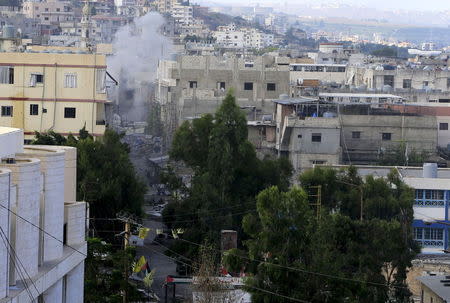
[(318, 202)]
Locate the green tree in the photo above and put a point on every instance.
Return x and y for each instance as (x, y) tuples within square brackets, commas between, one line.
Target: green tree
[(105, 174), (337, 257), (227, 175)]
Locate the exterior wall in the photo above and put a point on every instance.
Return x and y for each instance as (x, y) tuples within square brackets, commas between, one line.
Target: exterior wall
[(51, 95), (26, 176), (75, 282), (304, 153), (4, 225), (374, 79), (327, 73), (49, 12), (207, 71), (430, 296), (52, 202), (34, 184), (418, 132)]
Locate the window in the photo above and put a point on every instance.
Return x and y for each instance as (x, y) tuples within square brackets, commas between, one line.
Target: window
[(6, 75), (248, 86), (34, 109), (70, 80), (356, 135), (69, 112), (221, 85), (46, 9), (58, 9), (419, 194), (389, 80), (249, 64), (101, 80), (7, 111), (316, 137), (45, 18), (192, 84), (448, 82), (418, 233), (426, 83), (386, 136), (36, 79), (318, 162), (443, 126), (407, 83), (271, 87), (433, 234)]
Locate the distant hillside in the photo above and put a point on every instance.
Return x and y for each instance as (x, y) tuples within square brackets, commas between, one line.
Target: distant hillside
[(213, 20)]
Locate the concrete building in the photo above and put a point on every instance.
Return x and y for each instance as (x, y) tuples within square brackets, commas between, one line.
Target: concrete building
[(435, 289), (309, 132), (62, 91), (49, 12), (325, 73), (400, 79), (42, 247), (183, 14)]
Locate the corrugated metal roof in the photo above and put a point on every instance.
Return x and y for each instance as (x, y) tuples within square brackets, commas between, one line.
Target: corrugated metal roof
[(291, 101), (428, 183)]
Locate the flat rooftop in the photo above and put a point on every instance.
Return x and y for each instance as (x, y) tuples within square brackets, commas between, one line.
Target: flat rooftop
[(434, 283)]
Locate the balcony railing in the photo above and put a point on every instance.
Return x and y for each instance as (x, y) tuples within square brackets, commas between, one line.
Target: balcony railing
[(431, 243), (429, 203)]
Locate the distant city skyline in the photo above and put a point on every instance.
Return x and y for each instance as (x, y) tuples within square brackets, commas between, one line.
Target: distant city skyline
[(430, 5)]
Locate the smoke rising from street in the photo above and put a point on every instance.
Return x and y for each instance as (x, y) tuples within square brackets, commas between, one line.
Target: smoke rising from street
[(137, 49)]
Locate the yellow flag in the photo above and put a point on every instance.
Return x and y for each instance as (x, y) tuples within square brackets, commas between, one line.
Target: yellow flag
[(174, 234), (148, 280), (141, 262), (143, 232)]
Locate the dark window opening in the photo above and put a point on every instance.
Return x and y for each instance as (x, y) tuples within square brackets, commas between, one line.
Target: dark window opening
[(7, 111), (389, 80), (192, 84), (407, 83), (248, 86), (316, 137), (443, 126), (386, 136), (356, 135), (69, 112), (271, 87), (34, 109)]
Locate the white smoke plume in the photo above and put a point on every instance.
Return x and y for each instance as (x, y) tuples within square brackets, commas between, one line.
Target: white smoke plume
[(137, 49)]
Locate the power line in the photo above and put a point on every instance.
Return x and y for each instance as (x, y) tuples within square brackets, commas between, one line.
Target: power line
[(38, 227), (263, 290), (16, 266), (303, 270), (196, 220)]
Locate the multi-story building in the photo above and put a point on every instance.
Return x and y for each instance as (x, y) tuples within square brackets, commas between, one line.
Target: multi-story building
[(183, 14), (58, 90), (231, 37), (310, 132), (165, 6), (42, 227), (49, 12)]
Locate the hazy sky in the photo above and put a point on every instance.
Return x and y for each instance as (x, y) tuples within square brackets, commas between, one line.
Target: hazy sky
[(381, 4)]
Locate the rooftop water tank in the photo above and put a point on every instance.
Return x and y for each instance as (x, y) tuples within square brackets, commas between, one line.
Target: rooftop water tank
[(9, 31), (430, 170)]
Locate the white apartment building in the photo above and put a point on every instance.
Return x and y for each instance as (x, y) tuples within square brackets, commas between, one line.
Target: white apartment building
[(231, 37), (42, 227), (183, 14)]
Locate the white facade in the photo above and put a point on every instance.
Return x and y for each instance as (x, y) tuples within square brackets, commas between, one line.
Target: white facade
[(230, 37), (183, 14), (42, 227)]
